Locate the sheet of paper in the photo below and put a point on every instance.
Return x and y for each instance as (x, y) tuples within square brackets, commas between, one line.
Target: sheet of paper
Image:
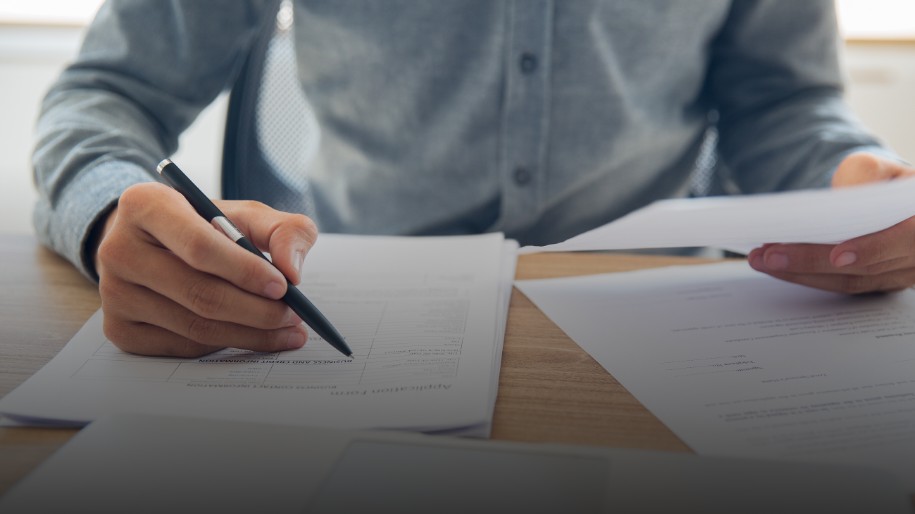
[(741, 223), (425, 318), (737, 363)]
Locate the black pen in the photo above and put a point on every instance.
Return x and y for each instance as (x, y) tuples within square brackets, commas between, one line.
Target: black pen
[(294, 298)]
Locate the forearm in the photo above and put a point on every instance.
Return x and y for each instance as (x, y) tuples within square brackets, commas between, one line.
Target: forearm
[(91, 145), (146, 69), (797, 143), (776, 83)]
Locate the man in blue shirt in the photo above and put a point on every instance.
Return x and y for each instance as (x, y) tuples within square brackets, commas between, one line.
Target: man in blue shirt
[(539, 118)]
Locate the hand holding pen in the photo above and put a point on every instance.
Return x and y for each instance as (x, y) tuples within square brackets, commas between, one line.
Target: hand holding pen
[(171, 284)]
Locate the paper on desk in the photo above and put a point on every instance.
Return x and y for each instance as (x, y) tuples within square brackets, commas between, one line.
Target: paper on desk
[(425, 318), (741, 223), (737, 363)]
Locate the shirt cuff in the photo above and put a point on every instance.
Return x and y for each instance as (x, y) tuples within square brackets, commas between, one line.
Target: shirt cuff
[(66, 225)]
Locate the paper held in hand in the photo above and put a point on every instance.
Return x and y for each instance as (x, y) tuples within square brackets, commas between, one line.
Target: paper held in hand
[(741, 223)]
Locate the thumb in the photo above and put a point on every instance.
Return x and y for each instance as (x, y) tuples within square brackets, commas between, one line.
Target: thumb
[(861, 168), (287, 237), (290, 243)]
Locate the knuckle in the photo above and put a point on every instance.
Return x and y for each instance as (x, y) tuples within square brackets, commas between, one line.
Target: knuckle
[(112, 292), (276, 316), (132, 198), (201, 330), (118, 332), (252, 205), (305, 224), (275, 339), (107, 251), (204, 297), (195, 250), (113, 250), (138, 197), (279, 339), (252, 272), (311, 231)]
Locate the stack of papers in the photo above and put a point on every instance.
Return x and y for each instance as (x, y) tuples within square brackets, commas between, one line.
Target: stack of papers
[(425, 318)]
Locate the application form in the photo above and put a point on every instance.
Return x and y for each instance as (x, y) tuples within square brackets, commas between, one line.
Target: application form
[(737, 363), (425, 318)]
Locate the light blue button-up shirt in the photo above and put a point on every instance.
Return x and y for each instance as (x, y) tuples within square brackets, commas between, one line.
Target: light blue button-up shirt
[(539, 118)]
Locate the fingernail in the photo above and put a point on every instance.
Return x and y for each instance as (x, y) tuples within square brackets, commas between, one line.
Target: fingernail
[(275, 289), (756, 261), (776, 261), (298, 260), (296, 339), (845, 259)]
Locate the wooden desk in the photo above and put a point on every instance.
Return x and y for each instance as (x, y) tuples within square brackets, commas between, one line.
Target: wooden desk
[(549, 390)]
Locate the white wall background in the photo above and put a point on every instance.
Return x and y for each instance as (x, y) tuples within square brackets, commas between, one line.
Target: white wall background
[(881, 89)]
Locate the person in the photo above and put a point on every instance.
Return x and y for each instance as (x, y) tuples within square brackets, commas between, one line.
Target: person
[(539, 118)]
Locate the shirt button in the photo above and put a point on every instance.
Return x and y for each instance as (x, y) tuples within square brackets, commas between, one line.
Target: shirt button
[(522, 176), (528, 63)]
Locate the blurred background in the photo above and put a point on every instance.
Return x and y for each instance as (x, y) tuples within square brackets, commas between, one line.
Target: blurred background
[(38, 38)]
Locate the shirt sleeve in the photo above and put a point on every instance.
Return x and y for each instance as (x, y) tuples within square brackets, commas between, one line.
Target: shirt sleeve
[(144, 72), (776, 83)]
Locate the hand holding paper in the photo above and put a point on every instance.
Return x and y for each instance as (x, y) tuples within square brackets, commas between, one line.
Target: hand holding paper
[(806, 225), (880, 261)]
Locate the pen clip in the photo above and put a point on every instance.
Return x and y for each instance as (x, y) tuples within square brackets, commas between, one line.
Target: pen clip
[(227, 228)]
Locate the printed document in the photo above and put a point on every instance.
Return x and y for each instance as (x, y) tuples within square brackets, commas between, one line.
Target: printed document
[(738, 363), (425, 318), (741, 223)]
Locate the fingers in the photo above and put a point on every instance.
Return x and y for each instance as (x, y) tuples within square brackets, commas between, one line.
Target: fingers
[(206, 295), (882, 261), (288, 237), (143, 339), (851, 284), (889, 250), (171, 222), (150, 324), (171, 284)]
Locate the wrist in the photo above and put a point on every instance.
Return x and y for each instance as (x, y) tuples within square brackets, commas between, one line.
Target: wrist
[(97, 233)]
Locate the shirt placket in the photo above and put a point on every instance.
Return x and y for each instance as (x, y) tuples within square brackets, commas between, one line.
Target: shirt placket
[(525, 118)]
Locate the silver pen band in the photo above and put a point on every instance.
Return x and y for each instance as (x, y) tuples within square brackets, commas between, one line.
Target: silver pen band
[(226, 226), (162, 165)]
